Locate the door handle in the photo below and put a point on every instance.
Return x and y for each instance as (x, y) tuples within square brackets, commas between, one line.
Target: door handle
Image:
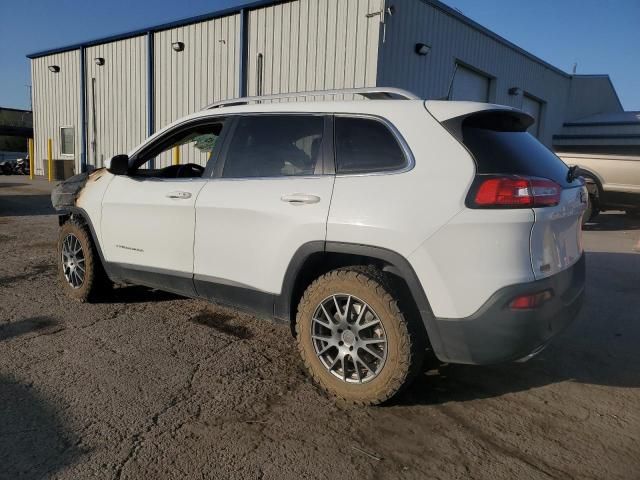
[(180, 195), (300, 198)]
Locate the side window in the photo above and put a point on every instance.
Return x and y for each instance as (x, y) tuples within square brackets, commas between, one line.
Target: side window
[(182, 153), (275, 146), (364, 145)]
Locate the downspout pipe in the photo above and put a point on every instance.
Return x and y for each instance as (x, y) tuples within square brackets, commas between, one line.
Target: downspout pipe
[(243, 52), (150, 89), (83, 112)]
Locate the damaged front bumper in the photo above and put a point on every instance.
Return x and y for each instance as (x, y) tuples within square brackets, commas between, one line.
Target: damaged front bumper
[(66, 193)]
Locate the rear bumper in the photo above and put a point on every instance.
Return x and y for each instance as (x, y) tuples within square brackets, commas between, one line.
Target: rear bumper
[(495, 333)]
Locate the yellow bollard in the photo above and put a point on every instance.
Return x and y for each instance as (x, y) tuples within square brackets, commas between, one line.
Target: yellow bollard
[(31, 165), (176, 155), (50, 158)]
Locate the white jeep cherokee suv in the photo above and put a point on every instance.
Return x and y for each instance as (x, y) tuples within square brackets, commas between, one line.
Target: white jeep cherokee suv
[(378, 228)]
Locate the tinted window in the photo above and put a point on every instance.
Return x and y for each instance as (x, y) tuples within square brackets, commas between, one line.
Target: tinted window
[(366, 145), (275, 146), (513, 153)]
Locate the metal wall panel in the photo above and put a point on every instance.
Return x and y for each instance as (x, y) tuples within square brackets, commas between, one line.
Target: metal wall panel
[(591, 94), (206, 70), (56, 104), (452, 40), (313, 45), (118, 90)]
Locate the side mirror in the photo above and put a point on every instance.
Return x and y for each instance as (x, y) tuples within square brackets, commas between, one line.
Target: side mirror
[(118, 165)]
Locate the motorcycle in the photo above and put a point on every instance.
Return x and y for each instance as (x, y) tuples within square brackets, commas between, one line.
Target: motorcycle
[(6, 167), (22, 166)]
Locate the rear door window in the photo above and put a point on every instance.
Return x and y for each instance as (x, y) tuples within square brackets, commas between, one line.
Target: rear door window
[(275, 146), (365, 145)]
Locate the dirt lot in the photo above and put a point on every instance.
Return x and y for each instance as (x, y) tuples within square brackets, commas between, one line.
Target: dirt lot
[(149, 385)]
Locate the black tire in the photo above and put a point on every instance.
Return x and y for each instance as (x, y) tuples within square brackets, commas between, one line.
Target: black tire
[(94, 278), (405, 339), (591, 212)]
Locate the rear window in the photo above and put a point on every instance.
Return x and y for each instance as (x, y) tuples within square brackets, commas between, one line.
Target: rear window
[(498, 150)]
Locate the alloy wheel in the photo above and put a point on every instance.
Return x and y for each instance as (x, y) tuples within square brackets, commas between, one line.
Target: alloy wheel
[(349, 338), (73, 261)]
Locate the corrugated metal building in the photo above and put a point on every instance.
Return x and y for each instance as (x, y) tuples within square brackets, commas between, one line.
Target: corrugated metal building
[(100, 98)]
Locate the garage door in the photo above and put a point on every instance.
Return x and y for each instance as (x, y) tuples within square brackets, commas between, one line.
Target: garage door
[(470, 85), (533, 108)]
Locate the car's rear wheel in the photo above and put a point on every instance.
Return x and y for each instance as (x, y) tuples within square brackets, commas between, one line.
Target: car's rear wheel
[(79, 266), (353, 338)]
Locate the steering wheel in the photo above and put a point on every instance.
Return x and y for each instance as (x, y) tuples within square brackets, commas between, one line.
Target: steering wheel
[(188, 169)]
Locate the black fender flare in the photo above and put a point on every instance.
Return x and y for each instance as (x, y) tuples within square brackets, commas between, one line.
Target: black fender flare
[(82, 213), (401, 266), (583, 172)]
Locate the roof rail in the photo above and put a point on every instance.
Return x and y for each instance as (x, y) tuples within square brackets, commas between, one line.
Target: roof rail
[(372, 93)]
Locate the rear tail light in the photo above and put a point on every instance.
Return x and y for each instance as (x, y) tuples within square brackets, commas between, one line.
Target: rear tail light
[(530, 301), (492, 191)]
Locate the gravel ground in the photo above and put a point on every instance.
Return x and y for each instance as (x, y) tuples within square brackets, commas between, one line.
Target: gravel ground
[(149, 385)]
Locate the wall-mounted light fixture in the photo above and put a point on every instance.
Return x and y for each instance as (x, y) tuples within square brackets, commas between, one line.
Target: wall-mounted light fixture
[(177, 46), (422, 49), (515, 91), (99, 61), (54, 68)]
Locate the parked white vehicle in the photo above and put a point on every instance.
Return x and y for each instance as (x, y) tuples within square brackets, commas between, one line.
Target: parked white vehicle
[(379, 229)]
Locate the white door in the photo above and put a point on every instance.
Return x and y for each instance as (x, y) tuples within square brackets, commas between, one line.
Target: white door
[(470, 85), (271, 197), (148, 216), (532, 107)]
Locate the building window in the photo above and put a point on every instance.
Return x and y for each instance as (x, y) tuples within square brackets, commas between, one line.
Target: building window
[(67, 142)]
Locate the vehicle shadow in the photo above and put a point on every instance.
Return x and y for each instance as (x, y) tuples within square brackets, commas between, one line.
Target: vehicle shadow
[(599, 348), (135, 294), (22, 327), (34, 442), (609, 222), (223, 322), (25, 205), (9, 185)]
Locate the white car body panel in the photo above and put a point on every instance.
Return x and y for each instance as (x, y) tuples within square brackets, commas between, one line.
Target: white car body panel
[(246, 234), (243, 234), (556, 237), (398, 211), (471, 257), (142, 226), (90, 200)]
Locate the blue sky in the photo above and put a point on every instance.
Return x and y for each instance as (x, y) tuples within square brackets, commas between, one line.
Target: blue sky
[(602, 36)]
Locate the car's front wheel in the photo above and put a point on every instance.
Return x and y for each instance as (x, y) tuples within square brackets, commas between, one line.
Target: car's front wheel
[(79, 266), (354, 340)]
